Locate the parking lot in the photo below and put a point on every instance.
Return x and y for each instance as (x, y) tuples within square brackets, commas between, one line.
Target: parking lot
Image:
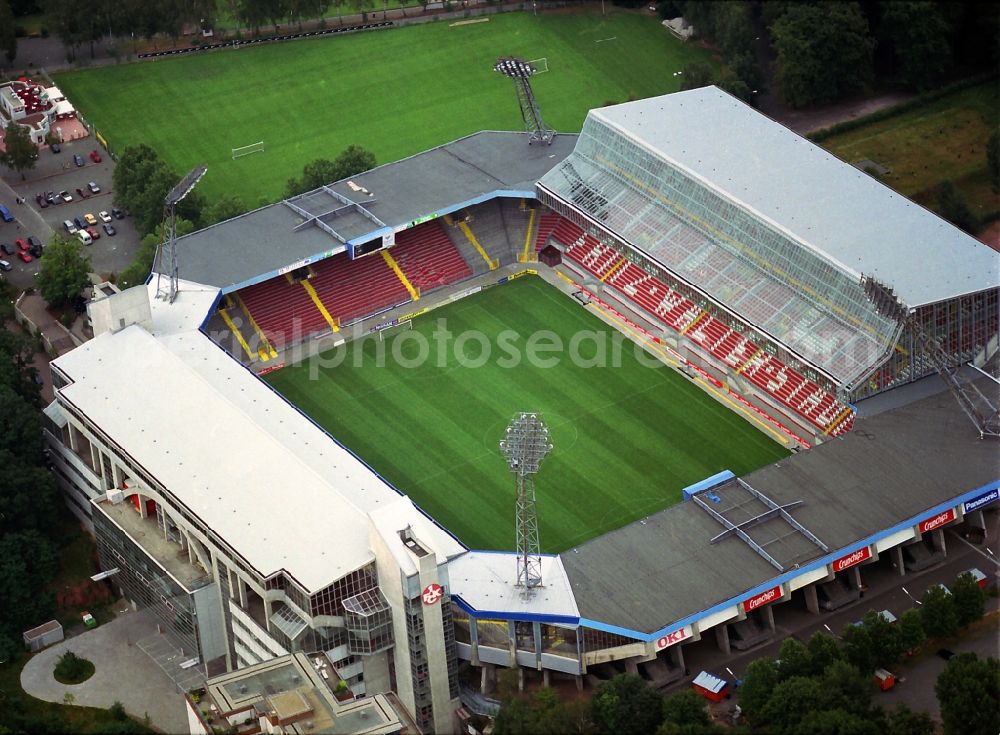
[(55, 173)]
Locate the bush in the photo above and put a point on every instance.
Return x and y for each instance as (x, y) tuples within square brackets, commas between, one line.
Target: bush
[(953, 207), (71, 669)]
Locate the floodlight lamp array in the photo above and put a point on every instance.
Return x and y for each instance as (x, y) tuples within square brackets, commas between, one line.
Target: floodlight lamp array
[(526, 443), (513, 67), (185, 185)]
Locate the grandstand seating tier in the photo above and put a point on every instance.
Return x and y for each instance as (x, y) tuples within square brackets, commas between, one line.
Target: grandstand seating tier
[(428, 257)]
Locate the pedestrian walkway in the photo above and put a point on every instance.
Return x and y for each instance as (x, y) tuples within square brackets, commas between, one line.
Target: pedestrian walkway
[(123, 673)]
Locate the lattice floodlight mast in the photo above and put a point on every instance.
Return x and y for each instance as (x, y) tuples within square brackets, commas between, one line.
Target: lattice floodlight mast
[(166, 283), (980, 410), (525, 444), (519, 71)]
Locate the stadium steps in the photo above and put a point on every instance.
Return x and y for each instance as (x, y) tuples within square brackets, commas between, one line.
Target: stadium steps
[(427, 257), (237, 334), (352, 289), (391, 262), (473, 259), (526, 253), (547, 222), (518, 225)]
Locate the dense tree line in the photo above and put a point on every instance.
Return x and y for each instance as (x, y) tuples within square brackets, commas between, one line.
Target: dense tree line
[(28, 554), (352, 160), (827, 49)]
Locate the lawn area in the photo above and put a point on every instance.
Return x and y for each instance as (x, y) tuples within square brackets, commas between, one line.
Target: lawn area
[(944, 139), (628, 436), (395, 92)]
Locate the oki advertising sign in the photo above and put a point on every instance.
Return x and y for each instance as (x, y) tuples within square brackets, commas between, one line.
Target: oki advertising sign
[(937, 521), (855, 557), (665, 641), (432, 593), (752, 603)]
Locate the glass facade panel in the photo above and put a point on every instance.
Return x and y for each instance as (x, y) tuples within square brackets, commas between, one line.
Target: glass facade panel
[(778, 285)]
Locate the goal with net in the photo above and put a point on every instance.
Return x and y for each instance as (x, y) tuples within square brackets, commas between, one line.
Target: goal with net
[(246, 150), (389, 332)]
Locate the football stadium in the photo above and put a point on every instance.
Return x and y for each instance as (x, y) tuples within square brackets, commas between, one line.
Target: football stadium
[(570, 404)]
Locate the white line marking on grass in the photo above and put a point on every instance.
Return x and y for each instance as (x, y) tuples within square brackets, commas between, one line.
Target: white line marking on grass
[(602, 40)]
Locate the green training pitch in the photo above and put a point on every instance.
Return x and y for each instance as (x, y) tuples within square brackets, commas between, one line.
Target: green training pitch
[(395, 92), (627, 437)]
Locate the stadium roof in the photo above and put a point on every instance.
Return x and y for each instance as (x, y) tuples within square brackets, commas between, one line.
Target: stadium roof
[(260, 244), (846, 215), (892, 467), (267, 480)]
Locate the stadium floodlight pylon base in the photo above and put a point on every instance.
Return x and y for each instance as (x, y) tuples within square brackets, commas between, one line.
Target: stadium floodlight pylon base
[(525, 444)]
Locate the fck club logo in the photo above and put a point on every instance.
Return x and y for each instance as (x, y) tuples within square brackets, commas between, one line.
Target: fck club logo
[(432, 593)]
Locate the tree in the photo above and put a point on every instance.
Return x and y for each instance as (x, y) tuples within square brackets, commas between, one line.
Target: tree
[(225, 208), (686, 711), (627, 706), (697, 74), (970, 599), (824, 51), (142, 263), (64, 272), (790, 701), (968, 691), (993, 159), (793, 659), (314, 174), (911, 629), (141, 182), (937, 613), (16, 353), (920, 39), (846, 688), (953, 207), (823, 651), (8, 35), (904, 721), (758, 683), (27, 564), (353, 160), (836, 722), (21, 154), (874, 643)]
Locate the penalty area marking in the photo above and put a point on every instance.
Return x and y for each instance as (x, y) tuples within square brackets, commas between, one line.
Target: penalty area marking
[(468, 22), (602, 40)]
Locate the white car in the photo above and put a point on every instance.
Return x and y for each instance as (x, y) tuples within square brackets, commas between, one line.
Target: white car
[(65, 196), (94, 188), (104, 216)]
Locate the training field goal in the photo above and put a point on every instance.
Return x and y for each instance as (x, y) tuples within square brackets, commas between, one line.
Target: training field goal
[(541, 65), (246, 150)]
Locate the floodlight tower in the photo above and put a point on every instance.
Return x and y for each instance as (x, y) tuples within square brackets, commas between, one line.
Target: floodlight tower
[(166, 284), (519, 71), (525, 444), (980, 409)]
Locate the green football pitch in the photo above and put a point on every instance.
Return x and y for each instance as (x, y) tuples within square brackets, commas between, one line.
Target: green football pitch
[(627, 435), (395, 92)]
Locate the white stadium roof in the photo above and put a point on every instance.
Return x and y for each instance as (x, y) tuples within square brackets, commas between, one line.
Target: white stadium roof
[(272, 484), (844, 214)]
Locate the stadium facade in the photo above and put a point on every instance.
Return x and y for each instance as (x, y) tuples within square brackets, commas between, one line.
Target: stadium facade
[(250, 533)]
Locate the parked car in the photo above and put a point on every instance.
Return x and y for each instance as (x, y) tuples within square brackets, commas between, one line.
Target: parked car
[(70, 226), (65, 196), (5, 214), (92, 231), (8, 248), (79, 223), (78, 160), (95, 156), (90, 219), (55, 148), (104, 216), (117, 213), (25, 256), (34, 242), (82, 193), (37, 250), (5, 265), (93, 187), (51, 197), (22, 245), (85, 237), (41, 201), (109, 229)]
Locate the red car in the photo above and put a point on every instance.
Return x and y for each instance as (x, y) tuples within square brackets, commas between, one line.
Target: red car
[(94, 234), (22, 245), (25, 256), (95, 156)]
